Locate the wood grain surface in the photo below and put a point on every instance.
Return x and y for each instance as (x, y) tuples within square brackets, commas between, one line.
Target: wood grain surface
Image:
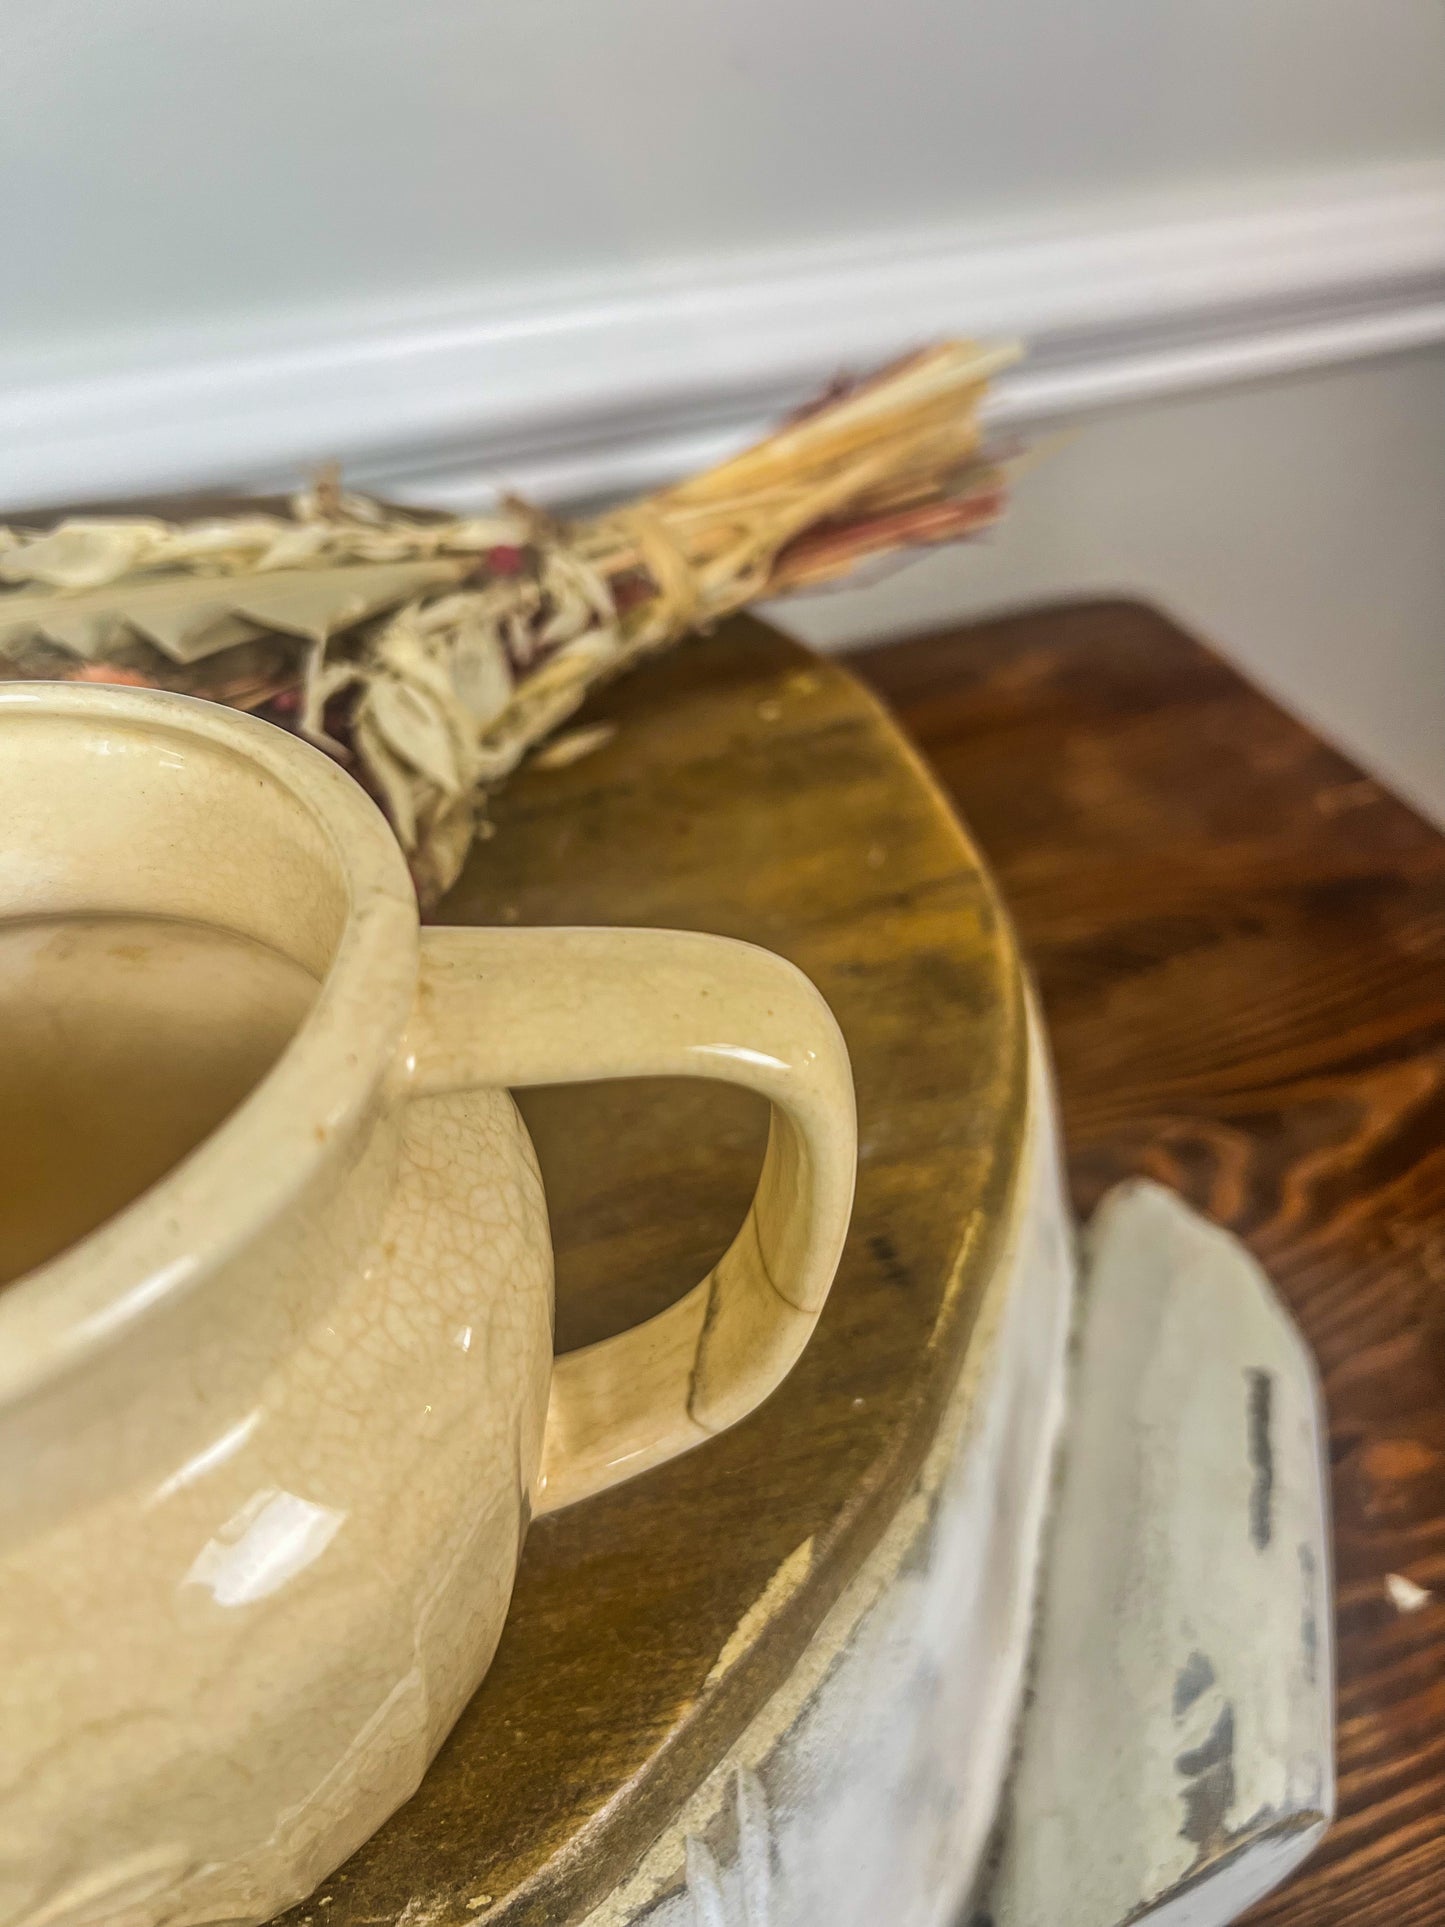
[(756, 792), (1240, 941)]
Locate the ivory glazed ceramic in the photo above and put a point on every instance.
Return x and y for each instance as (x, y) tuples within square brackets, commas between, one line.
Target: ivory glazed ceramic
[(270, 1437)]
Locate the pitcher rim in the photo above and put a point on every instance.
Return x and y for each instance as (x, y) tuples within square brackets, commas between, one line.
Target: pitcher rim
[(266, 1153)]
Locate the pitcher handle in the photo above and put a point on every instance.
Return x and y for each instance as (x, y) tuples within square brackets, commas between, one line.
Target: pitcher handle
[(513, 1008)]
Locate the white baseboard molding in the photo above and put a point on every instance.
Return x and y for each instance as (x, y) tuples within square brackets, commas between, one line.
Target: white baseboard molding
[(574, 391)]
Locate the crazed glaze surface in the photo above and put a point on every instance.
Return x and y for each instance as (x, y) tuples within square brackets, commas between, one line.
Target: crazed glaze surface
[(267, 1641), (270, 1438)]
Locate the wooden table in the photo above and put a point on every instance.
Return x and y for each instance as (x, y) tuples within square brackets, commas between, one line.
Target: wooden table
[(1240, 941)]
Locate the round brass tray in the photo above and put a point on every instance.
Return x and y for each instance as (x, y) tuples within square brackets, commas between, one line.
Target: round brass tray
[(753, 790)]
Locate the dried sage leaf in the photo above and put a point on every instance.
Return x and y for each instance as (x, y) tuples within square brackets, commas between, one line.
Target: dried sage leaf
[(396, 782), (415, 729), (572, 745), (442, 845), (481, 672), (193, 616), (317, 603), (82, 554)]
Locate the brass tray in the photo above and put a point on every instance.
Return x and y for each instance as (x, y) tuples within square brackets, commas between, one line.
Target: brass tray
[(753, 790)]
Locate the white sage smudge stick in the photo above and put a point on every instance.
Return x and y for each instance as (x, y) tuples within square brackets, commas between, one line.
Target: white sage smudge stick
[(433, 654)]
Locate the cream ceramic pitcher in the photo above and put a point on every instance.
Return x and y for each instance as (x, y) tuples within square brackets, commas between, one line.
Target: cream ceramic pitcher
[(271, 1435)]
